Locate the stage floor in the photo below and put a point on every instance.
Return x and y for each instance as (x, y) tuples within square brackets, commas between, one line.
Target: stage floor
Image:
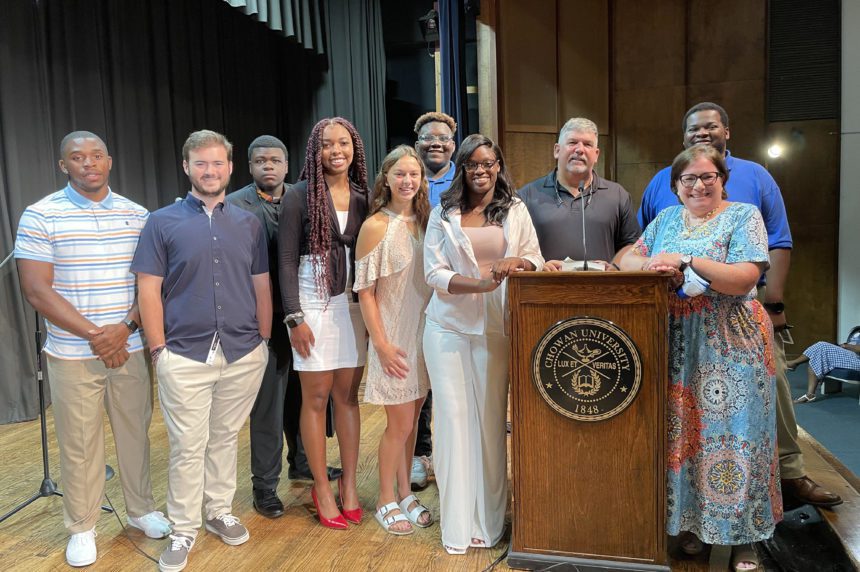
[(35, 539)]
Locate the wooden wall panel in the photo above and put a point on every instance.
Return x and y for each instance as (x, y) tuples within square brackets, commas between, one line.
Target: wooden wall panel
[(649, 97), (583, 61), (530, 91), (529, 155), (648, 50), (739, 56)]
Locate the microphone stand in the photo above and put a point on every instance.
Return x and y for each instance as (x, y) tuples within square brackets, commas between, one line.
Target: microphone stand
[(49, 486), (584, 246)]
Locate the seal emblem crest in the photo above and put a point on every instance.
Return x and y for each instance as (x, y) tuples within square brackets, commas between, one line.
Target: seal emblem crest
[(587, 369)]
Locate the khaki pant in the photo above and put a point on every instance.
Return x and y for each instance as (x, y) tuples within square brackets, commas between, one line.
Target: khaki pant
[(81, 390), (204, 407), (790, 456)]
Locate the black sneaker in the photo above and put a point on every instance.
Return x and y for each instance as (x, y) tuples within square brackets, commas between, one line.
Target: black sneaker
[(267, 503)]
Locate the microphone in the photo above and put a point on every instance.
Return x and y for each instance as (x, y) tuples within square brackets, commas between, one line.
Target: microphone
[(582, 204)]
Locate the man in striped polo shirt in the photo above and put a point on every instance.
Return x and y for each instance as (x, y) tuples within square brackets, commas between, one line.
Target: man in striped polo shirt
[(74, 249)]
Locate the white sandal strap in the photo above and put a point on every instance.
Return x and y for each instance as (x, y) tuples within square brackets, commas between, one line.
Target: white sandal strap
[(389, 520), (415, 512)]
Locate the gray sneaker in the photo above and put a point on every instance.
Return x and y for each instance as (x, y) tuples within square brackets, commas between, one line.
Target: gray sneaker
[(175, 556), (229, 529)]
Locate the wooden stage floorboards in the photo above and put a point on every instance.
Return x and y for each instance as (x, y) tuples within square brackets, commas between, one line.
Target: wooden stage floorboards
[(35, 539)]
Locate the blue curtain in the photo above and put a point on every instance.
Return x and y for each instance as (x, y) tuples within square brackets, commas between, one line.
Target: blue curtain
[(453, 66)]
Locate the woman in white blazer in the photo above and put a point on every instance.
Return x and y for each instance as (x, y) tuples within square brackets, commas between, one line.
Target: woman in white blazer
[(478, 235)]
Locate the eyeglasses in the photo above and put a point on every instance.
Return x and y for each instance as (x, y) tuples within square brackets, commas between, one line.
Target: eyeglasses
[(471, 166), (433, 138), (708, 179)]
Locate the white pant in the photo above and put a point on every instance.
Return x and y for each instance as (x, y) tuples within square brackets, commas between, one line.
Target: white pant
[(469, 377), (204, 407)]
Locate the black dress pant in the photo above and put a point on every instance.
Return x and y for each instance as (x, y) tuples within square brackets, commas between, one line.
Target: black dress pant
[(276, 412), (424, 438)]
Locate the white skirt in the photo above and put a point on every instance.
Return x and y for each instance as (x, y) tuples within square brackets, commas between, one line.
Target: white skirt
[(340, 338)]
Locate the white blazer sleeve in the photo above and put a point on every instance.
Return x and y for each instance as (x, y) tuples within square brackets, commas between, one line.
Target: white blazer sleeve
[(437, 267), (529, 247)]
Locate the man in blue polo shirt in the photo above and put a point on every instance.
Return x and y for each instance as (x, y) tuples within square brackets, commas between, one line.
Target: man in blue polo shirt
[(74, 248), (749, 182), (435, 146), (205, 300)]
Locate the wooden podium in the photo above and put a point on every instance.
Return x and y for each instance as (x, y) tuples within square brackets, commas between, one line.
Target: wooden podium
[(589, 492)]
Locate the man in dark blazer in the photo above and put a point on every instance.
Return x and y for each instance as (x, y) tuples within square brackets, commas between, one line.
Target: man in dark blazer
[(276, 411)]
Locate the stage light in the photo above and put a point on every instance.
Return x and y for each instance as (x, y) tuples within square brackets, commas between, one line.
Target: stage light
[(774, 151)]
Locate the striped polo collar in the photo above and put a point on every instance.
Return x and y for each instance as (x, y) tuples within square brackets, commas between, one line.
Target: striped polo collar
[(81, 201)]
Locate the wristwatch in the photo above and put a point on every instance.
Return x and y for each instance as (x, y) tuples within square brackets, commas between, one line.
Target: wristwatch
[(686, 261), (131, 325), (774, 307), (294, 320)]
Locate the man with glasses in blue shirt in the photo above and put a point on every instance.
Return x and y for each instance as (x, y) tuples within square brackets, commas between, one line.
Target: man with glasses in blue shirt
[(435, 146)]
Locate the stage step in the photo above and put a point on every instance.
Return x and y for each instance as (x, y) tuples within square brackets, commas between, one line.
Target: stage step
[(830, 473)]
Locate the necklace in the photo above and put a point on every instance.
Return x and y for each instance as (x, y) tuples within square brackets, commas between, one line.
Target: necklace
[(695, 225)]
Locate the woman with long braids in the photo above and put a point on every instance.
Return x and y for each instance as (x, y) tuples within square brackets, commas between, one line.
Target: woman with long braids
[(393, 295), (476, 237), (319, 223)]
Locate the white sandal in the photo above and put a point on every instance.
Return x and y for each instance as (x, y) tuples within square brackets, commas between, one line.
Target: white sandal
[(386, 521), (416, 512), (453, 551)]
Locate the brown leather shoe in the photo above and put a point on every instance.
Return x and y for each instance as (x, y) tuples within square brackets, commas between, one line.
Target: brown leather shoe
[(806, 490)]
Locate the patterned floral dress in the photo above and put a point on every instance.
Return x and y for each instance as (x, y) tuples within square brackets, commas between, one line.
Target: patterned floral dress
[(723, 465), (396, 266)]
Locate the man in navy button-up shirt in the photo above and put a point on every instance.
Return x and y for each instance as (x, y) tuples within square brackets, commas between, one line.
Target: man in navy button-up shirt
[(206, 305)]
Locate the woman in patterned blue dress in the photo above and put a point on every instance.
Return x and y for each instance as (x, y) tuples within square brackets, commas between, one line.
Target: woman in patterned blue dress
[(722, 478)]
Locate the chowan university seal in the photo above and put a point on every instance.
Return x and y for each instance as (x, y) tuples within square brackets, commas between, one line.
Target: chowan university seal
[(587, 369)]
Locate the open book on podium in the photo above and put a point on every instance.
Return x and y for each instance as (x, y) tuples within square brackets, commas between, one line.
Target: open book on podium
[(588, 377)]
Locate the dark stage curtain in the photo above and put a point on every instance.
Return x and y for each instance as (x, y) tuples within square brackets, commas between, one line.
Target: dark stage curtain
[(143, 74), (452, 50)]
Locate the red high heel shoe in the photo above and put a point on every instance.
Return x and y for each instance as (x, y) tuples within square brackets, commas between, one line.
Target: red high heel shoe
[(352, 515), (338, 522)]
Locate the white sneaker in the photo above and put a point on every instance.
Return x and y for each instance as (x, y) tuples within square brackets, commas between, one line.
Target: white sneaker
[(81, 549), (153, 524), (418, 476)]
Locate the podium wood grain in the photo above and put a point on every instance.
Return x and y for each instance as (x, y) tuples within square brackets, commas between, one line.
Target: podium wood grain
[(591, 490)]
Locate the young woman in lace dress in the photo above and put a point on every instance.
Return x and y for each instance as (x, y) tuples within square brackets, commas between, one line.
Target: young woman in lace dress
[(393, 295)]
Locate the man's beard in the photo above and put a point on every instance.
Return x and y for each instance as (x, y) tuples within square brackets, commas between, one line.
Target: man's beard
[(206, 193)]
